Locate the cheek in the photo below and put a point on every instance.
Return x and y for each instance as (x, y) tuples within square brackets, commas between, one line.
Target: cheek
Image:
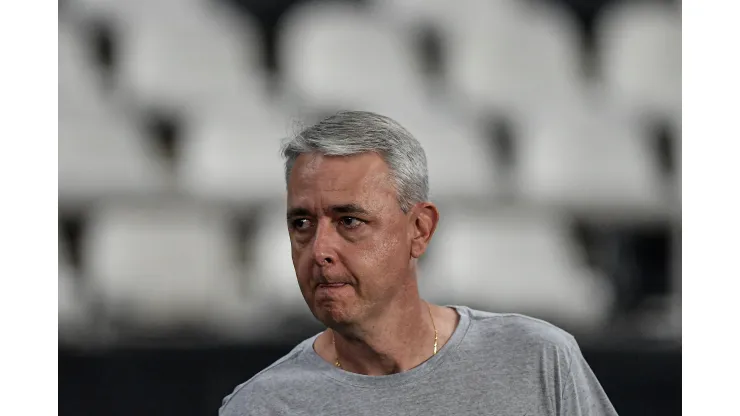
[(302, 264), (383, 253)]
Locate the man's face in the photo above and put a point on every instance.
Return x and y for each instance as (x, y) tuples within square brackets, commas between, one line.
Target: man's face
[(351, 243)]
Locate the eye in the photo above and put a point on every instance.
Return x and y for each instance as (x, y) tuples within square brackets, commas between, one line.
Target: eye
[(351, 222), (300, 224)]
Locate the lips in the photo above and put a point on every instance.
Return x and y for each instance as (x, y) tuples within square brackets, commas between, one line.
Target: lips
[(330, 285)]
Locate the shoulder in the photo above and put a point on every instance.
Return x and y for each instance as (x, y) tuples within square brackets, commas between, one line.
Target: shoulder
[(256, 390), (520, 330)]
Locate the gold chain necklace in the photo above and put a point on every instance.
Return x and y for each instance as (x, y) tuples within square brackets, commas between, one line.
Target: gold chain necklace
[(336, 361)]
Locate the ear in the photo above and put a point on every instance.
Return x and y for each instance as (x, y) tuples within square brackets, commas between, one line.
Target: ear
[(424, 221)]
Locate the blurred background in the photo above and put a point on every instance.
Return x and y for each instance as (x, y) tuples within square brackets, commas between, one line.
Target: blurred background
[(552, 130)]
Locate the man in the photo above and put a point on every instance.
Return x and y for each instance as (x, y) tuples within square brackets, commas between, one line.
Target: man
[(359, 218)]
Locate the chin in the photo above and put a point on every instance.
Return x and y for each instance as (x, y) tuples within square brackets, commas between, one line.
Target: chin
[(332, 314)]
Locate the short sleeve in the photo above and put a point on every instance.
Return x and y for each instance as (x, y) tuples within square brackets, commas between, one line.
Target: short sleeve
[(241, 403), (581, 392), (225, 409)]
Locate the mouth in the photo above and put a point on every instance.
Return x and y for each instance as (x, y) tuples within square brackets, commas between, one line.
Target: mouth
[(331, 285)]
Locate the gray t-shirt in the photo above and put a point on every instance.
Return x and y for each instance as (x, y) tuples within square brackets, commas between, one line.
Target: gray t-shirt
[(494, 364)]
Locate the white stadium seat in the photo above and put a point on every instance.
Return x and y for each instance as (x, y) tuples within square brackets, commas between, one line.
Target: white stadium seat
[(677, 126), (72, 314), (460, 162), (165, 264), (415, 12), (103, 155), (640, 56), (506, 56), (272, 275), (234, 155), (513, 260), (73, 306), (101, 152), (588, 159), (78, 90), (442, 14), (185, 54), (336, 55)]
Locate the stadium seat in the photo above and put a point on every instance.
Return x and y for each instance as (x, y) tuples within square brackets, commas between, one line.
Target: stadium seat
[(513, 260), (511, 57), (128, 12), (640, 56), (101, 152), (443, 14), (187, 54), (591, 160), (103, 155), (164, 264), (233, 155), (73, 307), (336, 55), (71, 311), (677, 125), (272, 273), (78, 90), (404, 12), (460, 161)]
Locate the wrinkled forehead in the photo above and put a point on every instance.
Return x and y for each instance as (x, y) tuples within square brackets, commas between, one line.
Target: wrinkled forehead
[(320, 180)]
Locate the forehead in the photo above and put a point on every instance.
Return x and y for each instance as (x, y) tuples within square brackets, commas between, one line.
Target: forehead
[(327, 180)]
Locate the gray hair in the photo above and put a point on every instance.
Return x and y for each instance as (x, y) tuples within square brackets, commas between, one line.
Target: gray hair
[(353, 132)]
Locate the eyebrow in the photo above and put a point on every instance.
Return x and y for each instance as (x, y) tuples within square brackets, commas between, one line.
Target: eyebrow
[(298, 212), (348, 209), (336, 209)]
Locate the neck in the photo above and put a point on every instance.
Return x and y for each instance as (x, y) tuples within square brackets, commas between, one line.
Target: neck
[(399, 339)]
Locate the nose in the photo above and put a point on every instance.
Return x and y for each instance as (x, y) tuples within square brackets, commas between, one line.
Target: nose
[(324, 245)]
